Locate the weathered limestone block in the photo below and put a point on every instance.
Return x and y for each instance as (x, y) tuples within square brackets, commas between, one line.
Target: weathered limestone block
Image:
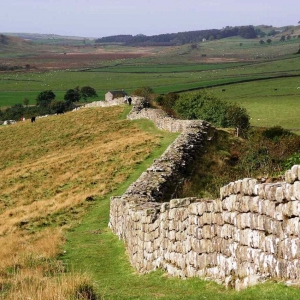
[(191, 259), (268, 207), (243, 237), (242, 253), (261, 190), (227, 231), (292, 175), (297, 190), (208, 232), (157, 244), (190, 271), (271, 244), (243, 204), (288, 191), (172, 235), (248, 186), (292, 226), (213, 272), (242, 220), (229, 202), (290, 248), (226, 190), (244, 269), (293, 269), (202, 207), (237, 188), (270, 191), (270, 226), (198, 232), (257, 222), (174, 203), (291, 208), (180, 236), (181, 214), (229, 217), (205, 246), (193, 209), (228, 247), (210, 206), (253, 255), (257, 239)]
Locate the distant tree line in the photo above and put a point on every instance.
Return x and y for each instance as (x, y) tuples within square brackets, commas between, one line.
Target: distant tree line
[(3, 39), (46, 103), (13, 68), (180, 38)]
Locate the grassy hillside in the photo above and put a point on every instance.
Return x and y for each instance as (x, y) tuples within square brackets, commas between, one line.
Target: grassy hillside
[(56, 179), (10, 43), (52, 172)]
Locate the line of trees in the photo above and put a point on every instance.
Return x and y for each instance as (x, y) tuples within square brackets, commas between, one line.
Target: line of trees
[(180, 38), (46, 103)]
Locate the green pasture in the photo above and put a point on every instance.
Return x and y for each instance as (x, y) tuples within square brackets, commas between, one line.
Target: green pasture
[(249, 49), (178, 70), (269, 102), (160, 68), (167, 78)]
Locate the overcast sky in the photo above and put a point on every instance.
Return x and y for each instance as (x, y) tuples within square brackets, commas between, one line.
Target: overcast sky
[(98, 18)]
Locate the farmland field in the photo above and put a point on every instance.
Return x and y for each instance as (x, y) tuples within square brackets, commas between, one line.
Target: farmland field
[(263, 78), (266, 88)]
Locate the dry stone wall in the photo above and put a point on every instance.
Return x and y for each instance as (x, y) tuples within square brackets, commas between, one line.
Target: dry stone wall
[(114, 102), (249, 234)]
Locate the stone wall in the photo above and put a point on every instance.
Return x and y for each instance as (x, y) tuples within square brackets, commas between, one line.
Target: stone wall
[(114, 102), (248, 235)]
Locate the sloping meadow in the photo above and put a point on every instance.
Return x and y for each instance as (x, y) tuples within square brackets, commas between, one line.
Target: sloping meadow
[(51, 171)]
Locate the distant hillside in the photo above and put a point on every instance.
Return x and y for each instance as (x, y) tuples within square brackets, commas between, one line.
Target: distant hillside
[(12, 43), (41, 36), (188, 37)]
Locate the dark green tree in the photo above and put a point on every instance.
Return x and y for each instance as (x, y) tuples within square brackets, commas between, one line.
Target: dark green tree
[(247, 32), (72, 95), (282, 39), (58, 106), (26, 101), (269, 41), (262, 42), (144, 92), (15, 112), (237, 117), (272, 32), (44, 98), (204, 105), (87, 91)]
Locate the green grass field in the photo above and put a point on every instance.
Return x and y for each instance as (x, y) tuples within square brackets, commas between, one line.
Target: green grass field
[(182, 68), (269, 102)]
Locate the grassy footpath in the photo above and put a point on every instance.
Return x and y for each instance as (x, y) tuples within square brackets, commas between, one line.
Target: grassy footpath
[(91, 247)]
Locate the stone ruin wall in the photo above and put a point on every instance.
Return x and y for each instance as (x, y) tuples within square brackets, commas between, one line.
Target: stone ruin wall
[(248, 235), (116, 101)]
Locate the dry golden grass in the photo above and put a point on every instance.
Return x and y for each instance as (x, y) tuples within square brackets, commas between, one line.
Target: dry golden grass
[(48, 170)]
